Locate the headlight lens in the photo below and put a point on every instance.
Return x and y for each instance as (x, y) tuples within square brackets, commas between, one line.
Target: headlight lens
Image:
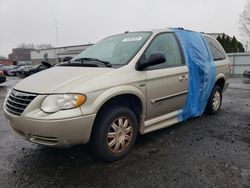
[(55, 103)]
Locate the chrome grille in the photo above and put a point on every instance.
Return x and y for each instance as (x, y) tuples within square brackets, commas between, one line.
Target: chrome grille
[(17, 101)]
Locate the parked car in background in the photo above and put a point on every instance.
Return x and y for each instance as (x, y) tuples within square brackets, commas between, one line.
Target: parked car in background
[(2, 67), (29, 70), (2, 77), (19, 70), (247, 73), (67, 58), (8, 70)]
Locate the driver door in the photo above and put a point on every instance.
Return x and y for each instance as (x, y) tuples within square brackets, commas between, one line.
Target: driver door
[(167, 82)]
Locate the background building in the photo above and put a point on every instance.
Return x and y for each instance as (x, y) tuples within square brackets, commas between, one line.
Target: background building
[(53, 55), (6, 62), (20, 55)]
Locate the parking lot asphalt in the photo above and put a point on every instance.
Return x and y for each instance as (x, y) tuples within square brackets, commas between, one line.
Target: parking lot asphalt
[(208, 151)]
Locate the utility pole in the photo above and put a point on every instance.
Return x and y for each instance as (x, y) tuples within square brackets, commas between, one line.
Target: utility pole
[(56, 40), (56, 33)]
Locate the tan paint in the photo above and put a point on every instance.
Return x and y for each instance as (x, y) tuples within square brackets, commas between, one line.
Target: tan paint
[(69, 127)]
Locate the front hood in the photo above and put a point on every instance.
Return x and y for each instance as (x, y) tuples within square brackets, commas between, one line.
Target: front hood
[(59, 79)]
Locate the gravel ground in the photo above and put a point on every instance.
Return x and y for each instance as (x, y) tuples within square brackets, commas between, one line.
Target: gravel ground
[(209, 151)]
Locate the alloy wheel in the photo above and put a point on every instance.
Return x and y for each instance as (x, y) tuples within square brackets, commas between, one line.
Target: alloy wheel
[(216, 100), (119, 134)]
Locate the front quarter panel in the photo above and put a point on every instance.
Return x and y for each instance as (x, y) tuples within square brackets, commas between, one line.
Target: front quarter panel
[(103, 97)]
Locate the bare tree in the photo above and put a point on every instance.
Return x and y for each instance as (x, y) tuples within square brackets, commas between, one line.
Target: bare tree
[(43, 46), (245, 21), (24, 45), (2, 57)]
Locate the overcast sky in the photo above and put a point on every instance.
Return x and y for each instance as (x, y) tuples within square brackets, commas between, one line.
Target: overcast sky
[(83, 21)]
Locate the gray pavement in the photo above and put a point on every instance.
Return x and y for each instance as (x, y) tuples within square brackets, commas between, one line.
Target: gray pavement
[(208, 151)]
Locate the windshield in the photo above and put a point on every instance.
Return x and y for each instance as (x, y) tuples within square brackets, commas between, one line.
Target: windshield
[(117, 50)]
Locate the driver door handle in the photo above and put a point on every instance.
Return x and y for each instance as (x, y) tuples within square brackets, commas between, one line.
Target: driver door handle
[(183, 78)]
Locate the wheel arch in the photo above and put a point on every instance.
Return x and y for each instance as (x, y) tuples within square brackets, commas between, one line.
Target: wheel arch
[(220, 81), (129, 96), (121, 92), (123, 95)]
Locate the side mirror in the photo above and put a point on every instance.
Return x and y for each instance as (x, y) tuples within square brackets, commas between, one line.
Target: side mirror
[(153, 59)]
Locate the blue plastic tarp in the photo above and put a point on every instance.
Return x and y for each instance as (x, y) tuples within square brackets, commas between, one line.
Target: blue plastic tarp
[(202, 72)]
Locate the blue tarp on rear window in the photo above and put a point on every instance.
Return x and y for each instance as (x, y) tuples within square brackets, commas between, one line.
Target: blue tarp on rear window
[(202, 72)]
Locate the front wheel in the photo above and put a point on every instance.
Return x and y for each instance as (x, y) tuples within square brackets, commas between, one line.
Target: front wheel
[(114, 133), (214, 101)]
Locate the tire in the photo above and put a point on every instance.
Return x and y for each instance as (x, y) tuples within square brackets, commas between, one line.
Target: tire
[(214, 101), (114, 133)]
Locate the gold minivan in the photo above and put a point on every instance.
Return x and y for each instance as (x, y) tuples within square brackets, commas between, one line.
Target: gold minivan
[(134, 82)]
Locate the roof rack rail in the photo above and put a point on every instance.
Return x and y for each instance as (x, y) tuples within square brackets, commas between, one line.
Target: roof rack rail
[(181, 28)]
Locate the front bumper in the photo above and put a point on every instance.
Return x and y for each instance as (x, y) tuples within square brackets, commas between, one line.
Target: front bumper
[(54, 133)]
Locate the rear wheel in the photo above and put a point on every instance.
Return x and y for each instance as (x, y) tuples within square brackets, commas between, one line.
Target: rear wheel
[(114, 133), (214, 101)]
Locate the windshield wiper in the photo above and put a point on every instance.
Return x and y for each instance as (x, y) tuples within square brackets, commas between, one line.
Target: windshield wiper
[(106, 63)]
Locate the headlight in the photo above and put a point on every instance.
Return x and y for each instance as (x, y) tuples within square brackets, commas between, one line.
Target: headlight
[(55, 103)]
